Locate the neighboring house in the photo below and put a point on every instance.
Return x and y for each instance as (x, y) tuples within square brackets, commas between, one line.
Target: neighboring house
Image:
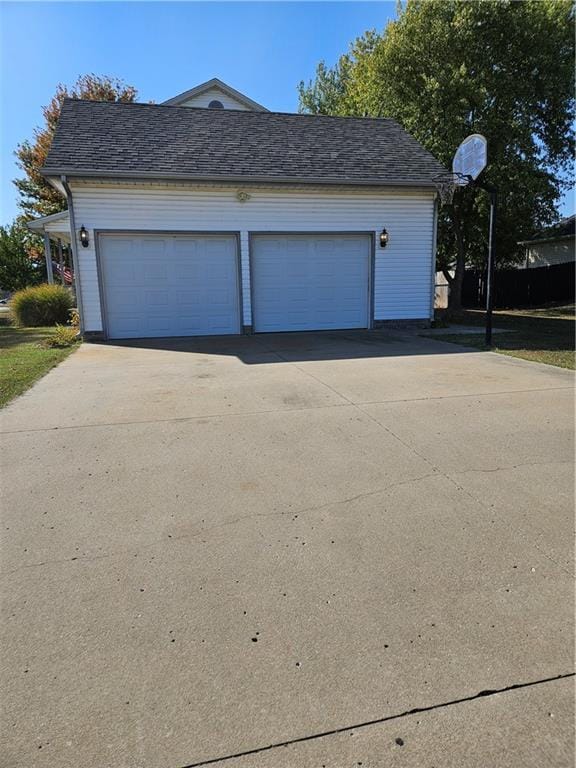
[(209, 214), (554, 245)]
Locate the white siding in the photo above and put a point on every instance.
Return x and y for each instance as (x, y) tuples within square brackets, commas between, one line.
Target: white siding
[(59, 229), (548, 254), (203, 100), (403, 272)]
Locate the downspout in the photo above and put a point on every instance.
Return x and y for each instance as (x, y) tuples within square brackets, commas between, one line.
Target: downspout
[(434, 252), (74, 247)]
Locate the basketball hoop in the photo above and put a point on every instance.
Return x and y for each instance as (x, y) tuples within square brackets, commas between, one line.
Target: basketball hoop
[(468, 163), (446, 184)]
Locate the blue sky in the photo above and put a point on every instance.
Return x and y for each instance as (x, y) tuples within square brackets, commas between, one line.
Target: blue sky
[(263, 49)]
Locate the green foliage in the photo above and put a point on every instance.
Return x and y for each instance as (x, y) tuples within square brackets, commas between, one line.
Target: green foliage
[(37, 196), (20, 260), (327, 94), (448, 68), (24, 359), (41, 305), (62, 336), (74, 318)]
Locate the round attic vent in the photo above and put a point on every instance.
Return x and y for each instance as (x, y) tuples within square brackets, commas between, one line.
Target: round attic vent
[(215, 104)]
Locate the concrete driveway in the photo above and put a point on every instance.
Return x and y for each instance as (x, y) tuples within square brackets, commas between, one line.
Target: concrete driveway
[(267, 552)]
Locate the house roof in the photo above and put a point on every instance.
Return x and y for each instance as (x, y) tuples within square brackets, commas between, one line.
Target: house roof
[(113, 139), (207, 86), (564, 229)]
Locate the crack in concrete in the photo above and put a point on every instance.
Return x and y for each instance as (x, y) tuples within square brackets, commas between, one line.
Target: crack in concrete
[(379, 720), (348, 402), (174, 420), (300, 511), (456, 397), (514, 466), (224, 524)]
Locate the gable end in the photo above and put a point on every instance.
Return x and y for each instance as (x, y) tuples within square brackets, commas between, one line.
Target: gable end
[(214, 90)]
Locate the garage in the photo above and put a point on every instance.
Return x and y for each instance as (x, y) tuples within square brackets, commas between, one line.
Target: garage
[(310, 281), (169, 285)]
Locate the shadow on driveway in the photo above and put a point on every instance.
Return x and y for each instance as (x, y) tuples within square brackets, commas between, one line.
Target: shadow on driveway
[(294, 347)]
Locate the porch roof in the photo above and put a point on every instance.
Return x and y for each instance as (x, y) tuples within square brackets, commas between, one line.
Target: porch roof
[(56, 226)]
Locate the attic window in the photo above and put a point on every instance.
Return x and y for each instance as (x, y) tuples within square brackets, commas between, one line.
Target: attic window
[(215, 104)]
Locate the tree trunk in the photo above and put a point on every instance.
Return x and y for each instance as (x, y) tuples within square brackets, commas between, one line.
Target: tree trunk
[(455, 295)]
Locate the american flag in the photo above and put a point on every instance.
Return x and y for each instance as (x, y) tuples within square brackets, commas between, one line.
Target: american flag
[(68, 276)]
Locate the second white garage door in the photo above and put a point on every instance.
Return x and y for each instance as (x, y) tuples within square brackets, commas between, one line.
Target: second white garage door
[(310, 282), (169, 285)]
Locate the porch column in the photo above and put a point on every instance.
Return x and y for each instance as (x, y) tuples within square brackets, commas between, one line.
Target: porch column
[(61, 262), (48, 257)]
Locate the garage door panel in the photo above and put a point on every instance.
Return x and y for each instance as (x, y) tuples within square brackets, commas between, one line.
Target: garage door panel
[(310, 282), (127, 300), (129, 325), (170, 285), (187, 300), (218, 300), (121, 273), (154, 272), (160, 324), (154, 299), (185, 271), (220, 324)]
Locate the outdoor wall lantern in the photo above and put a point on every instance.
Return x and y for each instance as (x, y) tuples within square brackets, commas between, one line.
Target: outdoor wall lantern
[(383, 238), (84, 239)]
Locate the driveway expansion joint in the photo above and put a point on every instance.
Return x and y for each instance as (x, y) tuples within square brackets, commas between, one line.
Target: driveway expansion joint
[(380, 720)]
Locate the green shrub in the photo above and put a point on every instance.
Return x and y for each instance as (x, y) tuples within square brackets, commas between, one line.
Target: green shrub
[(61, 336), (41, 305), (74, 318)]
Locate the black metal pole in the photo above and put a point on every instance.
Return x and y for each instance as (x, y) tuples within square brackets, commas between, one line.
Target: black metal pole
[(490, 267)]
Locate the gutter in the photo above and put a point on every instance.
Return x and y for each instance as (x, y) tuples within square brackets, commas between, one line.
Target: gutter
[(74, 247), (92, 173), (546, 240)]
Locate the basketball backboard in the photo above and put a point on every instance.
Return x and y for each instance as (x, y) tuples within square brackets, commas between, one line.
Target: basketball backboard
[(471, 156)]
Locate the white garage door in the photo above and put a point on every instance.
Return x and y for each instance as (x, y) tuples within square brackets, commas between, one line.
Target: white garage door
[(310, 282), (169, 285)]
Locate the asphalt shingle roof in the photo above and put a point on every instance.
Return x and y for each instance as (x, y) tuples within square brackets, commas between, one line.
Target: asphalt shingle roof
[(117, 139)]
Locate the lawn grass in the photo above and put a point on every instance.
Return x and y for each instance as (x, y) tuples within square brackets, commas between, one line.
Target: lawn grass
[(543, 335), (23, 361)]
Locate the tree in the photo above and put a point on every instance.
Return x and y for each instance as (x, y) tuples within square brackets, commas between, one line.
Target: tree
[(37, 196), (22, 261), (448, 68), (327, 95)]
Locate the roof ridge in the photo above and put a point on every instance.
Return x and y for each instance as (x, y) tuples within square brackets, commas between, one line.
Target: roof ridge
[(236, 111)]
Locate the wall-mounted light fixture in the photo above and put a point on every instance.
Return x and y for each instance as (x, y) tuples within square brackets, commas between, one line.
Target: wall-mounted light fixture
[(384, 238), (84, 239)]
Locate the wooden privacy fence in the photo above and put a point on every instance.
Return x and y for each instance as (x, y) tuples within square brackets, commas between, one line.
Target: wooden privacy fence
[(521, 287)]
